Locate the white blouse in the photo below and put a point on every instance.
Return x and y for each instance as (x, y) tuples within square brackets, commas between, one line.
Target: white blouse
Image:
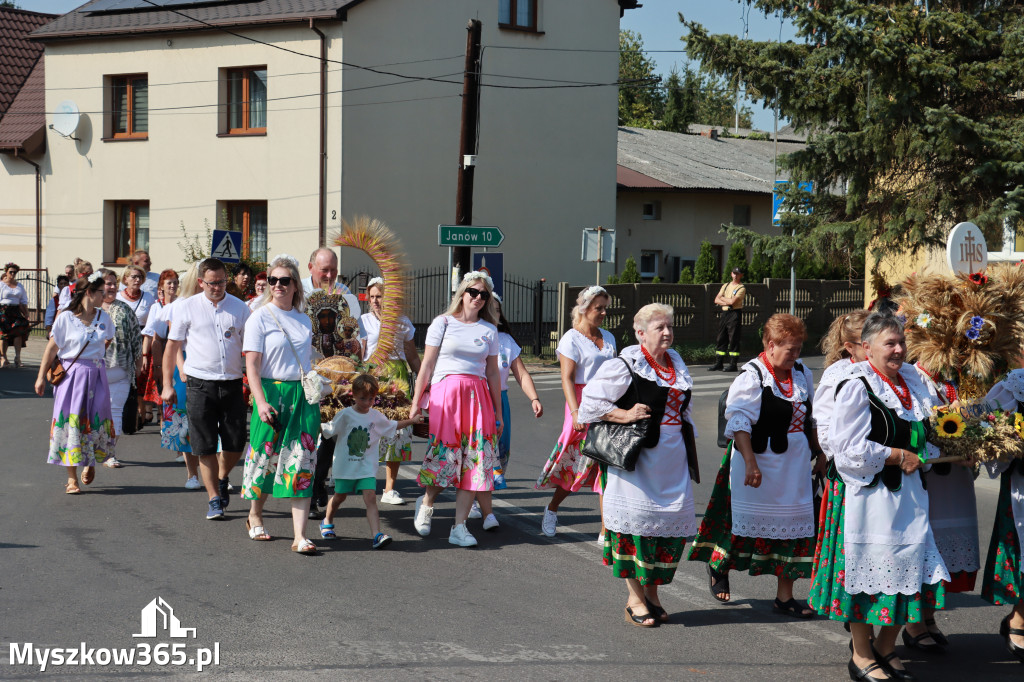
[(1005, 395), (15, 295), (585, 353), (825, 400), (656, 499), (73, 336), (369, 329), (462, 348), (140, 307)]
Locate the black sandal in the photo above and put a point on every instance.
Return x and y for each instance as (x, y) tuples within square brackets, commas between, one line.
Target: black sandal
[(639, 620), (792, 608), (719, 584), (936, 634), (658, 612)]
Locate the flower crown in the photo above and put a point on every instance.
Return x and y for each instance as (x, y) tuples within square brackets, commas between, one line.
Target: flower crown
[(10, 265), (375, 282), (95, 276), (286, 258), (594, 291), (478, 274)]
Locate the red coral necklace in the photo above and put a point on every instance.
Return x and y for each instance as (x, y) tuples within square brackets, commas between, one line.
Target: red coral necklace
[(666, 374), (937, 380), (787, 392), (903, 392)]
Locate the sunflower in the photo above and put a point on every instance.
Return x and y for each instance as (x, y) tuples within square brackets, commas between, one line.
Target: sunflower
[(951, 425), (1018, 424)]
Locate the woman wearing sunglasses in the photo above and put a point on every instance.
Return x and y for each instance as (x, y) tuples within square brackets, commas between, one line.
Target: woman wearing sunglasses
[(460, 385)]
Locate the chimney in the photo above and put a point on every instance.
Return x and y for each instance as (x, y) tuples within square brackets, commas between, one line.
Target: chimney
[(711, 133)]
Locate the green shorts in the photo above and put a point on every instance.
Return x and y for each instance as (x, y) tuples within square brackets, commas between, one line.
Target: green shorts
[(343, 486)]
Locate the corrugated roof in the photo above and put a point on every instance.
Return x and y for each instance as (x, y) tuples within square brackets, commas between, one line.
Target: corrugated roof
[(80, 23), (694, 162), (23, 127), (18, 54)]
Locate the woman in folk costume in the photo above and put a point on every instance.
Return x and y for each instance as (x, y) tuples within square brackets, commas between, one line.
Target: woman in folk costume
[(1003, 580), (761, 514), (878, 563)]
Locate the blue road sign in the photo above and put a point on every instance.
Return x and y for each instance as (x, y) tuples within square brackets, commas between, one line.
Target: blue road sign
[(493, 264), (227, 245), (777, 209)]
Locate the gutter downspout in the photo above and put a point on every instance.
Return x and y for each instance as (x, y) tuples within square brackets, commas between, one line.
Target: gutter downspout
[(39, 220), (322, 241)]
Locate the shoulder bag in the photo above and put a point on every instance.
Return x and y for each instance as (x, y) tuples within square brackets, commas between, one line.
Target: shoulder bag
[(617, 445), (56, 372), (314, 386)]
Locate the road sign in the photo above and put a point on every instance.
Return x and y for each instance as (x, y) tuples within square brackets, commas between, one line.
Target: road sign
[(777, 198), (469, 235), (591, 237), (227, 245), (493, 263)]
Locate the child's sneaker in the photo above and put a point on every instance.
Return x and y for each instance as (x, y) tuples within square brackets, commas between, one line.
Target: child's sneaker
[(499, 481), (491, 522), (461, 536), (381, 540), (391, 497), (474, 511), (327, 531)]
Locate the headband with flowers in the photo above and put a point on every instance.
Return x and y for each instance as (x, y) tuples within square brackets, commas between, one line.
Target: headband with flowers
[(287, 258), (10, 265), (594, 291), (95, 276), (477, 274), (376, 281)]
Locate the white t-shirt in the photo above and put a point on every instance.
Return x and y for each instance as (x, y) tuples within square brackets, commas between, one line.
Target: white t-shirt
[(64, 298), (357, 450), (72, 335), (214, 334), (255, 302), (140, 307), (585, 353), (464, 348), (156, 325), (15, 295), (369, 329), (263, 335), (508, 351)]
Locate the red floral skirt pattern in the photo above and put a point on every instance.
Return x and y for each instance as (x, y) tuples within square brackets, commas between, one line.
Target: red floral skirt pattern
[(1002, 581), (652, 561)]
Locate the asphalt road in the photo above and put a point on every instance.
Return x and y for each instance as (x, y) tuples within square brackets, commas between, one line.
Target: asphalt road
[(78, 570)]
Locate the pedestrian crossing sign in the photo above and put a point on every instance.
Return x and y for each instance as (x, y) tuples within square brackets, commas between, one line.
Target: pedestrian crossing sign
[(227, 245)]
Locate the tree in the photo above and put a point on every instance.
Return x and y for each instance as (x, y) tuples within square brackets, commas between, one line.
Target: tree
[(760, 267), (9, 3), (680, 101), (686, 275), (704, 270), (639, 105), (737, 259), (629, 274), (914, 122)]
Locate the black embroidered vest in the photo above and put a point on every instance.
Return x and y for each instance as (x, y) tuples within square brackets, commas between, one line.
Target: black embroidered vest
[(774, 417), (654, 396)]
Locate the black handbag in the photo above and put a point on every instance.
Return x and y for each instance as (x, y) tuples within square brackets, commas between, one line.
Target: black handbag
[(130, 415), (617, 445)]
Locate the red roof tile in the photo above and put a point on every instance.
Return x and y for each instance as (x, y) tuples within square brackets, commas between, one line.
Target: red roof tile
[(18, 54)]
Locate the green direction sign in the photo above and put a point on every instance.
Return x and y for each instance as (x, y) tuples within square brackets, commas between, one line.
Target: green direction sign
[(469, 235)]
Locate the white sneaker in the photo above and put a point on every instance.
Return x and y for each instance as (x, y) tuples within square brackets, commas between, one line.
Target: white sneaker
[(422, 519), (600, 539), (474, 511), (491, 522), (547, 526), (193, 483), (391, 497), (461, 536), (180, 459)]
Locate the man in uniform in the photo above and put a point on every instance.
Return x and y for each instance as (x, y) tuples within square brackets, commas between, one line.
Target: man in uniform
[(730, 298)]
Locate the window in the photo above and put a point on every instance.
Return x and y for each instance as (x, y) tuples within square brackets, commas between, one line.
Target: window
[(249, 218), (651, 210), (247, 100), (130, 229), (741, 215), (649, 263), (518, 14), (129, 106)]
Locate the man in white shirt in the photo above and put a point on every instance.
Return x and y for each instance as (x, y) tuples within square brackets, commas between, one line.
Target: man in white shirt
[(323, 274), (141, 258), (213, 325)]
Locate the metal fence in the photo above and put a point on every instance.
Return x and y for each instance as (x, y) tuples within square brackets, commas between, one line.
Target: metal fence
[(40, 289)]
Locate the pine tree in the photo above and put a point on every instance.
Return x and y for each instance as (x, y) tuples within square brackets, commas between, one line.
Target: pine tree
[(612, 279), (686, 275), (760, 267), (629, 274), (704, 270), (780, 267), (680, 101), (913, 124), (639, 105), (737, 259)]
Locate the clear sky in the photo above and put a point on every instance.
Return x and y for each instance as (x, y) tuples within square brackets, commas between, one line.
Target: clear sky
[(657, 22)]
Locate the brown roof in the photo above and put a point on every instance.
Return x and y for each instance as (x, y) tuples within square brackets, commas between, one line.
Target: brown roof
[(18, 54), (23, 127), (81, 23), (627, 178)]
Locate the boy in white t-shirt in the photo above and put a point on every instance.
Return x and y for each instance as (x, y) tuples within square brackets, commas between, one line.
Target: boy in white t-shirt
[(358, 431)]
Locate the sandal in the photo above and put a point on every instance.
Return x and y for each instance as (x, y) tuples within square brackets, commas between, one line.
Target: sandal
[(638, 620), (71, 488), (658, 612), (936, 633), (327, 531), (305, 547), (792, 608), (257, 533), (88, 474), (719, 584), (912, 642)]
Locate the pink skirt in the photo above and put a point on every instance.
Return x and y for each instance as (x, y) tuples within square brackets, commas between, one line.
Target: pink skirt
[(463, 436), (567, 467)]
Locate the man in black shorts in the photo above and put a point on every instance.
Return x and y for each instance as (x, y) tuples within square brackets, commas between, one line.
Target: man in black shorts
[(212, 325)]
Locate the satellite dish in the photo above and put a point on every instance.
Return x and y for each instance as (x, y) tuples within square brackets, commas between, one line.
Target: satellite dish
[(65, 121)]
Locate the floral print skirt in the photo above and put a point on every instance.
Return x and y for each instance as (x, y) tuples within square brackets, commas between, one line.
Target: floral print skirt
[(652, 561), (504, 443), (716, 546), (828, 595), (399, 447), (1002, 581), (463, 444), (282, 462), (567, 467), (174, 430), (82, 431)]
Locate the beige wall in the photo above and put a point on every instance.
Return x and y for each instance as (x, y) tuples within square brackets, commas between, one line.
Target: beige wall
[(687, 219), (184, 169), (18, 211)]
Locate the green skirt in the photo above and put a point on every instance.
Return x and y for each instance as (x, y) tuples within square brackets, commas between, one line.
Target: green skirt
[(716, 546), (652, 561), (1002, 581), (284, 459), (828, 595)]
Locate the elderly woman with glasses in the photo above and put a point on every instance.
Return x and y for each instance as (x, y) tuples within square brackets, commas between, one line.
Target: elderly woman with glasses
[(460, 382), (132, 294)]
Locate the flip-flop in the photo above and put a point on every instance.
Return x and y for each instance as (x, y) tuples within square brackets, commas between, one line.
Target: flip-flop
[(88, 474), (658, 612), (257, 533), (792, 608), (638, 620), (305, 547), (719, 584)]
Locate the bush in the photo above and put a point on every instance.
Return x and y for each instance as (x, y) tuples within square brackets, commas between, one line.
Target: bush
[(704, 270), (759, 267), (656, 280), (612, 279), (737, 259), (694, 354), (686, 275), (629, 274)]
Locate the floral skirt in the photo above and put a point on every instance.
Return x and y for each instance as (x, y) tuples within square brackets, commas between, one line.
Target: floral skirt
[(82, 431), (174, 430), (1002, 581), (504, 444), (398, 448), (652, 561), (828, 595), (716, 546), (283, 460), (567, 467), (463, 441), (13, 324)]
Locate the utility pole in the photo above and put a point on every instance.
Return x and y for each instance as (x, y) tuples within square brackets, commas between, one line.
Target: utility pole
[(467, 139)]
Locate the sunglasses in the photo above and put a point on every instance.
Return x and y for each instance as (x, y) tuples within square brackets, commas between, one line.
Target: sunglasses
[(473, 293), (273, 281)]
